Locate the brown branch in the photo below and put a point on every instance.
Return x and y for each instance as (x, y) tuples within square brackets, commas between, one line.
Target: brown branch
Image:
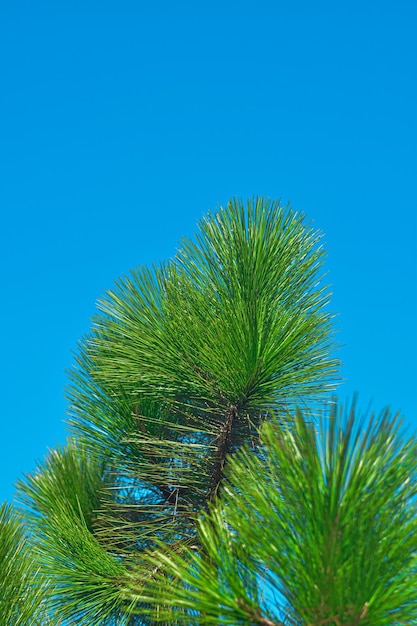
[(336, 618), (170, 495), (362, 615), (255, 616), (223, 448)]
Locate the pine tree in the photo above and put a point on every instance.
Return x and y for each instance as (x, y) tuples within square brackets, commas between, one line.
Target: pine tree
[(181, 402), (21, 584), (319, 529)]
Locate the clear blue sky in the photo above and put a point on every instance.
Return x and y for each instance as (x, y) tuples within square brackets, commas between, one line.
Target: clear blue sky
[(121, 123)]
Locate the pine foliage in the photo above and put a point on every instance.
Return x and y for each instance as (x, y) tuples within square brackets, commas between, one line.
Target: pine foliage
[(21, 598), (192, 490), (319, 529)]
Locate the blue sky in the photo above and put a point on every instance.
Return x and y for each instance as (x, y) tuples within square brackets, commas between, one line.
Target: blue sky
[(121, 123)]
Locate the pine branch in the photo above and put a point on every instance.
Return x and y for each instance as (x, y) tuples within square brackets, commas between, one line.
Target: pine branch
[(255, 615), (223, 448)]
